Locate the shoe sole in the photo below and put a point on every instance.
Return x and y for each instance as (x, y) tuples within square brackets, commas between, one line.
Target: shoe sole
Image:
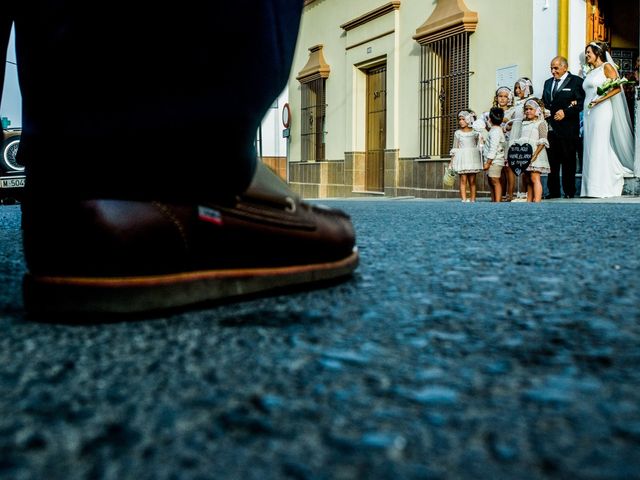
[(122, 295)]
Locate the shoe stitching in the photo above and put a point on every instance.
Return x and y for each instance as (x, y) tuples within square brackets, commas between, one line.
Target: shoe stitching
[(271, 217), (267, 213), (166, 211)]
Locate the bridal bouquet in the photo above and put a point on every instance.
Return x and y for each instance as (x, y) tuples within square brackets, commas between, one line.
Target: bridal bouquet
[(609, 84)]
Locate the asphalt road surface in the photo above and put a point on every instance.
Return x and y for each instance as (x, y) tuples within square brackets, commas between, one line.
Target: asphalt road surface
[(475, 341)]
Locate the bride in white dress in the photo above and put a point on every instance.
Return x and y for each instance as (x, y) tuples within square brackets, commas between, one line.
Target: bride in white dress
[(608, 138)]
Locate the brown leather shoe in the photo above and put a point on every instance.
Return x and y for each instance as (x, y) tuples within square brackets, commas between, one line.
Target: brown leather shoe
[(118, 256)]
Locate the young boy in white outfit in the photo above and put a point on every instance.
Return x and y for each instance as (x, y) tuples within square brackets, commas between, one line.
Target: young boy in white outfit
[(493, 152)]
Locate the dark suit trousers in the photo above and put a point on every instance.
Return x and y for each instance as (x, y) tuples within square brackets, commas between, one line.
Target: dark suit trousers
[(141, 100), (562, 156)]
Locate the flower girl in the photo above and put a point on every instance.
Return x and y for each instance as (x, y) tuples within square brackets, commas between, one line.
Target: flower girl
[(504, 100), (534, 131), (523, 90), (466, 160)]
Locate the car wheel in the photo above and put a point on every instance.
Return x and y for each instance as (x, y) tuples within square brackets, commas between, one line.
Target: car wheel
[(9, 155)]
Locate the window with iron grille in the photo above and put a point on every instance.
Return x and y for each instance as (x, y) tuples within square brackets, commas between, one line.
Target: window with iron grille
[(444, 91), (313, 120)]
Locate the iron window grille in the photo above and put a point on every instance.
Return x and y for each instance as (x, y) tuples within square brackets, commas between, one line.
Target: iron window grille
[(444, 91), (313, 120)]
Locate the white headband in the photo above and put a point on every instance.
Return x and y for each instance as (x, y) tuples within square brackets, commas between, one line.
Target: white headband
[(533, 103), (466, 116), (525, 86), (505, 89)]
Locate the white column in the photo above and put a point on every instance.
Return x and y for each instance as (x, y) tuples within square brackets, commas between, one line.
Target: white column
[(544, 43), (577, 35)]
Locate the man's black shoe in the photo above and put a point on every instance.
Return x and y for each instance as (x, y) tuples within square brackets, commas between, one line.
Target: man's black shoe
[(119, 256)]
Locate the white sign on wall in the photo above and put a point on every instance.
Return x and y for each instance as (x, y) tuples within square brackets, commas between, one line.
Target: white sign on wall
[(507, 76)]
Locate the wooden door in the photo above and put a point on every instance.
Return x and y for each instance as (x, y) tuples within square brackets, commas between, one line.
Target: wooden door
[(597, 28), (376, 128)]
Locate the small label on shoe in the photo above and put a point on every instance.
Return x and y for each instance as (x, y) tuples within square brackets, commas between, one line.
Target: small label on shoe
[(210, 215)]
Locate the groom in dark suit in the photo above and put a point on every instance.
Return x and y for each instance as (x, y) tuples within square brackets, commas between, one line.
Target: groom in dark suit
[(564, 97)]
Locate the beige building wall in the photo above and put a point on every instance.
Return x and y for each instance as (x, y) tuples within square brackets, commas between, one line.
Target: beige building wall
[(492, 46), (504, 37), (349, 52), (321, 25), (412, 15), (365, 46), (346, 85)]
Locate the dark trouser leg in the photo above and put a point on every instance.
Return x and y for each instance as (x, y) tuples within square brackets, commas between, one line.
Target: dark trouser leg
[(555, 155), (146, 101)]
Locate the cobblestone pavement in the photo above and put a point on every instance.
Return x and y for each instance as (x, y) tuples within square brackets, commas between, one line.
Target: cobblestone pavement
[(475, 341)]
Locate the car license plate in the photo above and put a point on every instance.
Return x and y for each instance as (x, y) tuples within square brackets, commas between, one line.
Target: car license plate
[(17, 182)]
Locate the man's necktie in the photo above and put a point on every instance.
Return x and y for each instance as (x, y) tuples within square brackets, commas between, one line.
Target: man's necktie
[(555, 87)]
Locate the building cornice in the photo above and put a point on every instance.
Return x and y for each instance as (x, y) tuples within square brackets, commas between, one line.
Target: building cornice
[(316, 67), (371, 39), (450, 17), (372, 15)]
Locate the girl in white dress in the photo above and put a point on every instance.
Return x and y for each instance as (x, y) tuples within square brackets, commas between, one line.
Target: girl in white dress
[(523, 91), (535, 131), (504, 100), (608, 138), (466, 160)]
